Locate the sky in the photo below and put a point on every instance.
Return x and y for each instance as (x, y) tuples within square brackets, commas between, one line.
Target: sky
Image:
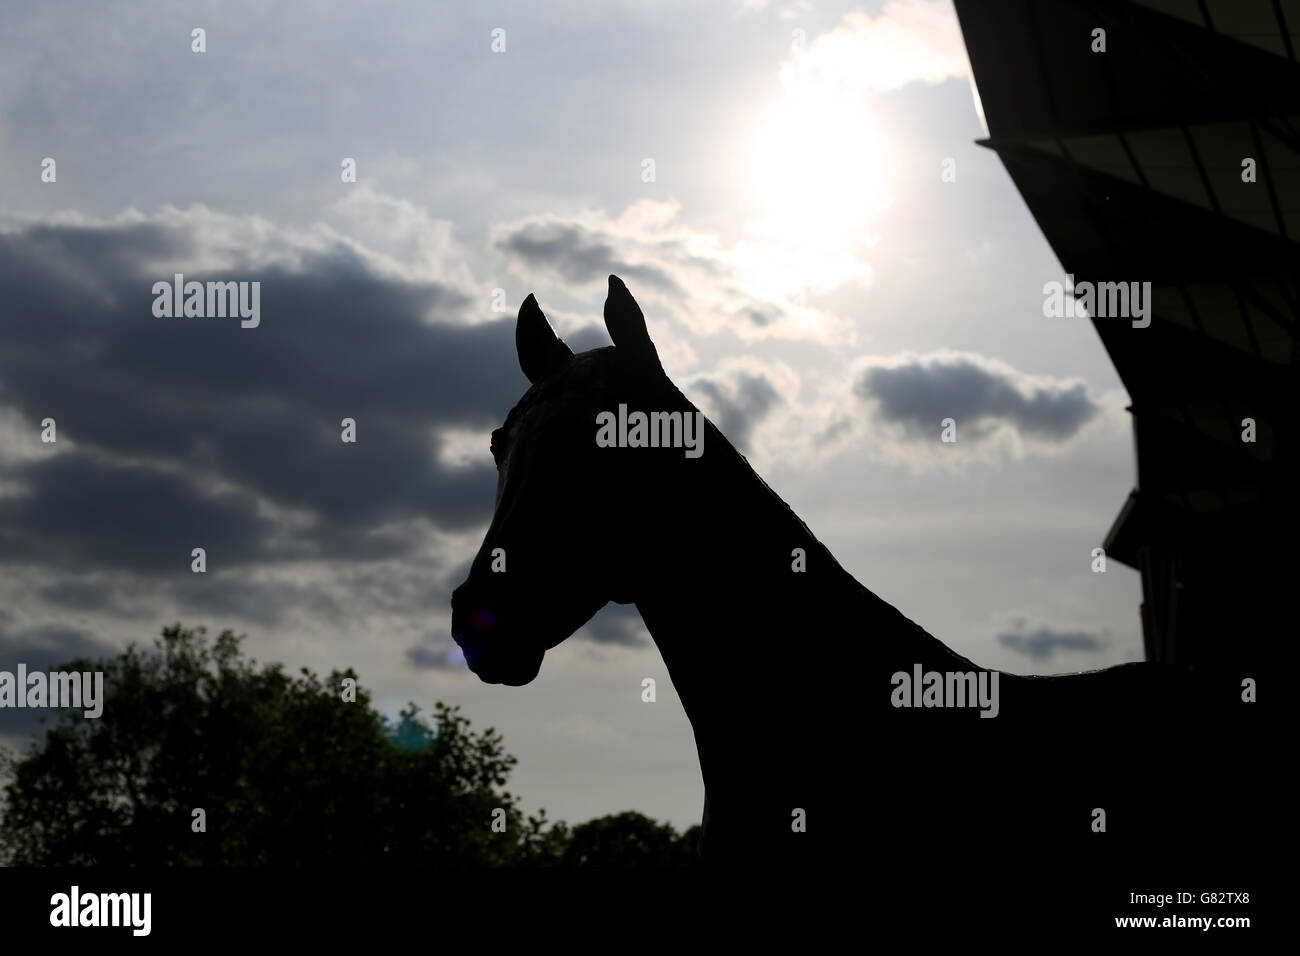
[(828, 263)]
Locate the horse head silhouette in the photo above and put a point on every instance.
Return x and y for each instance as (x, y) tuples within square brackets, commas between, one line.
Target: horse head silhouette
[(567, 535), (790, 671)]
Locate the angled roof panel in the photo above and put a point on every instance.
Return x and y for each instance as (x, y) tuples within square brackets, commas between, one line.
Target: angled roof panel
[(1131, 163)]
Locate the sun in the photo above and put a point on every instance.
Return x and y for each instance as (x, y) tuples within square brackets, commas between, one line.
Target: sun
[(816, 173)]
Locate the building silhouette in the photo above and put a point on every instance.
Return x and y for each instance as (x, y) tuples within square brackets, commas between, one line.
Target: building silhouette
[(1173, 157)]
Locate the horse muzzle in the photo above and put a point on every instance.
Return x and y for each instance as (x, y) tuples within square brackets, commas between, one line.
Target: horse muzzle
[(481, 627)]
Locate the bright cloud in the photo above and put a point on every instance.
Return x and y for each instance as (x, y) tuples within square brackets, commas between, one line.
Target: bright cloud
[(910, 41), (688, 273)]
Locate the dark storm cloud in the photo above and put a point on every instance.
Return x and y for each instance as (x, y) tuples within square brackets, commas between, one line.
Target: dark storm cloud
[(578, 255), (76, 594), (1043, 643), (42, 649), (402, 588), (249, 599), (740, 407), (84, 513), (260, 407), (48, 646), (617, 624), (177, 433), (921, 393)]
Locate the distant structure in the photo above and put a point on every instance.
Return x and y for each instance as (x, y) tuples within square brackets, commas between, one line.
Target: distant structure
[(1174, 157)]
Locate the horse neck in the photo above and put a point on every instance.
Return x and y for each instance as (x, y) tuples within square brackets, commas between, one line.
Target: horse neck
[(733, 619)]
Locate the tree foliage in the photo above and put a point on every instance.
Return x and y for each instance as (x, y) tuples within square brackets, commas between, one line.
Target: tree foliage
[(629, 839), (287, 774)]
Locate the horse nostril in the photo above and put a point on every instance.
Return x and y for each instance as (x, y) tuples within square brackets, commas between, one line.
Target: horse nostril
[(473, 612)]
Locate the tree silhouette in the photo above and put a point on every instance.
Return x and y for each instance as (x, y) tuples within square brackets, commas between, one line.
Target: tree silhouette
[(629, 839), (287, 772)]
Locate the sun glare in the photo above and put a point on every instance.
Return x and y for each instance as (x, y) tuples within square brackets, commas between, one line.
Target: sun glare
[(817, 174)]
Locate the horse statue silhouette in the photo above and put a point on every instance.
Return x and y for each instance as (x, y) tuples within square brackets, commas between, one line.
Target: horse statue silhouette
[(827, 723)]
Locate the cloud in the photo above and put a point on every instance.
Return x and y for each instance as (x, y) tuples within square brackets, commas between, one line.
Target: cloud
[(760, 317), (678, 272), (197, 432), (916, 392), (587, 338), (577, 255), (78, 594), (42, 648), (436, 653), (182, 433), (1043, 643), (85, 513), (909, 41), (739, 405), (618, 624), (49, 646)]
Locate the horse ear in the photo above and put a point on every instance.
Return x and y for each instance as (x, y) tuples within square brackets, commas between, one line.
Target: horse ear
[(626, 325), (541, 353)]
